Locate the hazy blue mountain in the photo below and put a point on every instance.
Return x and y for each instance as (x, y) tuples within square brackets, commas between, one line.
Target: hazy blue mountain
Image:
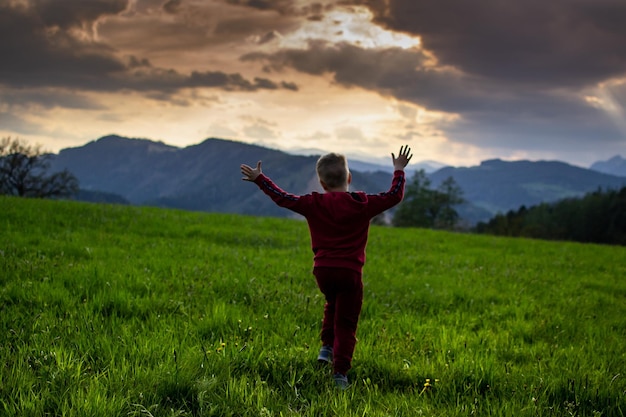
[(206, 177), (614, 166), (375, 164), (129, 167), (427, 166), (499, 186), (203, 177)]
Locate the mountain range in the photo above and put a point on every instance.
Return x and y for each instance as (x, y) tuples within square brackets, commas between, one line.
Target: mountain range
[(613, 166), (206, 177)]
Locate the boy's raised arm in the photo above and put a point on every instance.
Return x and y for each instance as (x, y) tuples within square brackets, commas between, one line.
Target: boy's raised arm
[(249, 173), (404, 156)]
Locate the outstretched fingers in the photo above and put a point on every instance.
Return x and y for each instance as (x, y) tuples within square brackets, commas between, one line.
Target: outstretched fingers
[(403, 157), (406, 152)]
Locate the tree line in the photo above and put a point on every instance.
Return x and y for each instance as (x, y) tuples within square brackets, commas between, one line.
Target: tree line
[(598, 217)]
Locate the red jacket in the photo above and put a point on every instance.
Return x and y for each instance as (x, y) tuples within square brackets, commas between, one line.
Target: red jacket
[(338, 221)]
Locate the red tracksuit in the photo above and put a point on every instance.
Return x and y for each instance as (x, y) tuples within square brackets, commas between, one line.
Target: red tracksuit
[(338, 224)]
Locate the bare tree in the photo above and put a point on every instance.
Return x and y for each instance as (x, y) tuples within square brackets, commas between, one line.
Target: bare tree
[(24, 172)]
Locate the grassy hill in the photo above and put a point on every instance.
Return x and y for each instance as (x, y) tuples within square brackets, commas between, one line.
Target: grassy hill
[(110, 310)]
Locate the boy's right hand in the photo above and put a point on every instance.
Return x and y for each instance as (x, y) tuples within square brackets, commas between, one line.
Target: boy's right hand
[(249, 173), (403, 158)]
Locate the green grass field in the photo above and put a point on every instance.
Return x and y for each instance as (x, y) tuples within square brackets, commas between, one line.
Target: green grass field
[(125, 311)]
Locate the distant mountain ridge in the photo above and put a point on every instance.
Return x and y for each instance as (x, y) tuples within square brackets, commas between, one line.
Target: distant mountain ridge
[(368, 164), (203, 177), (499, 186), (614, 166), (428, 166), (206, 177)]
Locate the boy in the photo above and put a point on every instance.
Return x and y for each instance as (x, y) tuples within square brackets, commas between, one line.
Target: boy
[(338, 224)]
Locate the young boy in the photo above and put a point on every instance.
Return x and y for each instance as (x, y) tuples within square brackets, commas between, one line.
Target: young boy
[(338, 223)]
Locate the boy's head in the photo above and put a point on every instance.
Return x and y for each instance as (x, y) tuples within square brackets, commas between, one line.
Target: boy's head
[(332, 170)]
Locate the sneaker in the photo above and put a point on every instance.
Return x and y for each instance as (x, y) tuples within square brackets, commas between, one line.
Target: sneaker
[(341, 381), (325, 355)]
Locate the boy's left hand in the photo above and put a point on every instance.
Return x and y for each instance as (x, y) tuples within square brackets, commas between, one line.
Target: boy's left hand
[(249, 173)]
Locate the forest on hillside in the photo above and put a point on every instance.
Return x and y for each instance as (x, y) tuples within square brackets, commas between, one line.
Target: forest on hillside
[(598, 217)]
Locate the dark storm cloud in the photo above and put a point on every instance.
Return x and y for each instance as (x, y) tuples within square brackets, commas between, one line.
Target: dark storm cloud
[(532, 59), (311, 10), (172, 6), (405, 74), (195, 25), (39, 49), (567, 43), (34, 52), (393, 72), (283, 6), (73, 13)]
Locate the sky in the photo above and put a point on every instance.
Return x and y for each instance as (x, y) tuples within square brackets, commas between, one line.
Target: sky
[(459, 81)]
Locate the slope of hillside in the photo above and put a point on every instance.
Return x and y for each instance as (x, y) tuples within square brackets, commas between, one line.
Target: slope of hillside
[(111, 310), (499, 186)]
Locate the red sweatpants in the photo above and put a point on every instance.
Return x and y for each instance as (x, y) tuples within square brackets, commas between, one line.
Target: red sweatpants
[(343, 289)]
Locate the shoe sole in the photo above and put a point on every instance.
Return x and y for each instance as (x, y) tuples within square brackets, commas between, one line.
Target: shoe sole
[(324, 362)]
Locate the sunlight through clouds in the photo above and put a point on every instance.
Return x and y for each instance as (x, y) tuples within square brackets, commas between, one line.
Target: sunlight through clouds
[(608, 102), (353, 25)]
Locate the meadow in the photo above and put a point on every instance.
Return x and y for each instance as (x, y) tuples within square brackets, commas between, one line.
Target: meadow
[(110, 310)]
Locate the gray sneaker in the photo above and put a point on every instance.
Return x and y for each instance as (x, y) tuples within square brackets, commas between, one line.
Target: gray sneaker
[(326, 355), (341, 381)]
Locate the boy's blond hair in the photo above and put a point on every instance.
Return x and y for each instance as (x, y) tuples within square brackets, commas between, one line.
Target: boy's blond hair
[(332, 169)]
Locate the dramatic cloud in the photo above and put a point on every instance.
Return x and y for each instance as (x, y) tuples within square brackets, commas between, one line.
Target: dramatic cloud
[(172, 6), (556, 43), (512, 70), (409, 75), (311, 9), (52, 44), (465, 80)]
